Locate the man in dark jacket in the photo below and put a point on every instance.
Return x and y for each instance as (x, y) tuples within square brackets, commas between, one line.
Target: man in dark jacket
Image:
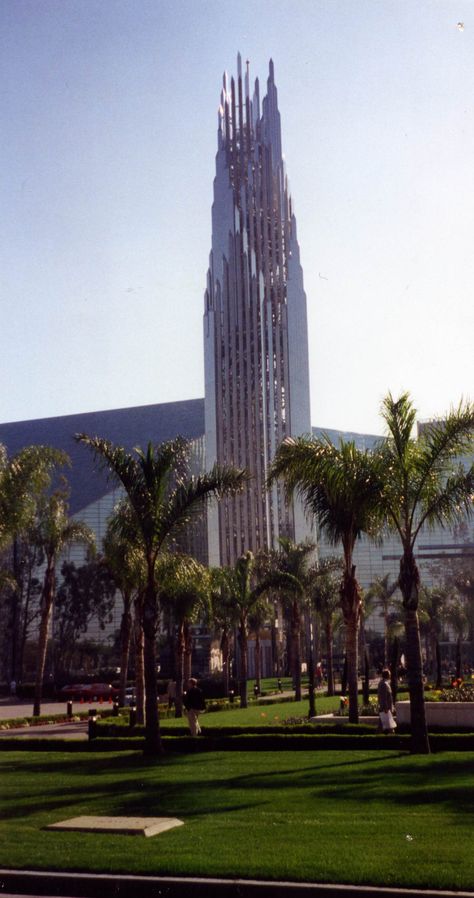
[(194, 703), (385, 700)]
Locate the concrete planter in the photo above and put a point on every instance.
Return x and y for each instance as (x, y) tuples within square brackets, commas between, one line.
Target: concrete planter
[(450, 714)]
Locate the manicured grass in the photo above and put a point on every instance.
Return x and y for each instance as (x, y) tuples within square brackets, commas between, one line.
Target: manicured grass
[(257, 714), (369, 817)]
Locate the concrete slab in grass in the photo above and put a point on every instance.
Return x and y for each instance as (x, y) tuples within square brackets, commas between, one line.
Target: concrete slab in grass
[(130, 826)]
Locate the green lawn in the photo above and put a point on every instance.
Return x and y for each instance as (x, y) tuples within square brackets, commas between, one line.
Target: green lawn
[(257, 714), (369, 817)]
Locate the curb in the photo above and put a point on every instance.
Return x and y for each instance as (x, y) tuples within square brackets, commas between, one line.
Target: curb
[(86, 885)]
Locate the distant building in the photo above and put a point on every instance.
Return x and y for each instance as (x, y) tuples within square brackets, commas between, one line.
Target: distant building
[(255, 327)]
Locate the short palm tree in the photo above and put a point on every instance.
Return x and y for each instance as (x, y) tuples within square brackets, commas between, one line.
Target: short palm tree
[(423, 483), (257, 620), (382, 590), (184, 591), (339, 486), (324, 595), (433, 605), (293, 559), (124, 558), (24, 480), (458, 619), (54, 531), (223, 617), (245, 589), (163, 500)]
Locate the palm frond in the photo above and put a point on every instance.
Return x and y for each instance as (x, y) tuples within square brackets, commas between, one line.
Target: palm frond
[(190, 497)]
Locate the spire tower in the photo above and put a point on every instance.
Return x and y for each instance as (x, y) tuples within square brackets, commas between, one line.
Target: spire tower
[(255, 327)]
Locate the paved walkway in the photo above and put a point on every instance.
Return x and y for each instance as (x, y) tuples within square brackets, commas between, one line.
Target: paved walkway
[(84, 885)]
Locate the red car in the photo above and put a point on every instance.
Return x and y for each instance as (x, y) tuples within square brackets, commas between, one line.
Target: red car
[(90, 691)]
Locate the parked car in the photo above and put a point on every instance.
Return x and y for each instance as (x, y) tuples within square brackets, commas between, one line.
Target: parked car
[(89, 691)]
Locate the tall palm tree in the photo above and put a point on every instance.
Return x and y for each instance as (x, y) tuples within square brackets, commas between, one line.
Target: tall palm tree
[(54, 531), (423, 483), (339, 486), (382, 591), (163, 499)]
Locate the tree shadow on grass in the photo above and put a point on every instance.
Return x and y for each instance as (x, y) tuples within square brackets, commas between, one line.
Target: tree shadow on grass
[(131, 785)]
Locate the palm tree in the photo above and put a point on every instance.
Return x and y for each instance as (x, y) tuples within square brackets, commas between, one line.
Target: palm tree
[(53, 533), (258, 617), (382, 591), (24, 479), (324, 595), (125, 560), (244, 596), (339, 486), (224, 617), (163, 500), (293, 559), (458, 619), (433, 605), (422, 484), (184, 590)]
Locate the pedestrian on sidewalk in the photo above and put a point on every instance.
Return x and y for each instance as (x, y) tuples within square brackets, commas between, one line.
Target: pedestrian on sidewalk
[(194, 703), (385, 700)]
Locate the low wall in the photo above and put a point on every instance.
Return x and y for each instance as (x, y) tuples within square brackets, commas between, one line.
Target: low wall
[(450, 714)]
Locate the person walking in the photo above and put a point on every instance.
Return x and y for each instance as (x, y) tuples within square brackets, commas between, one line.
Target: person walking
[(385, 700), (194, 703)]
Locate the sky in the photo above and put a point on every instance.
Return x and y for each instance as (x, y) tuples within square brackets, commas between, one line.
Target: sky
[(109, 119)]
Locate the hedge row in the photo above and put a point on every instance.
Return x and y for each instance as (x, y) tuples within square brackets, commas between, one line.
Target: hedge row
[(112, 729), (246, 742)]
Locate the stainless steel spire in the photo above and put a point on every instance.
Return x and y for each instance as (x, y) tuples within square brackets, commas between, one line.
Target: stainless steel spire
[(255, 329)]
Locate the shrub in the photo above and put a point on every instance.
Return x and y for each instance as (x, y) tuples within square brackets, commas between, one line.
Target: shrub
[(459, 693)]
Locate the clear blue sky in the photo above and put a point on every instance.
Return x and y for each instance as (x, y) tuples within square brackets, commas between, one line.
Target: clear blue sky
[(109, 114)]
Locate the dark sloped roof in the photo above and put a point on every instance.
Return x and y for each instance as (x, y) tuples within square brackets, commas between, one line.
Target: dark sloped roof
[(127, 427)]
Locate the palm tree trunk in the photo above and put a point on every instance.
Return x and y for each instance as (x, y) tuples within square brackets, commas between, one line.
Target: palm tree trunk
[(394, 667), (139, 660), (125, 640), (296, 649), (458, 658), (225, 660), (258, 660), (352, 669), (243, 663), (351, 607), (179, 670), (386, 644), (188, 652), (419, 730), (366, 685), (47, 604), (439, 673), (309, 630), (153, 744), (409, 580), (329, 656)]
